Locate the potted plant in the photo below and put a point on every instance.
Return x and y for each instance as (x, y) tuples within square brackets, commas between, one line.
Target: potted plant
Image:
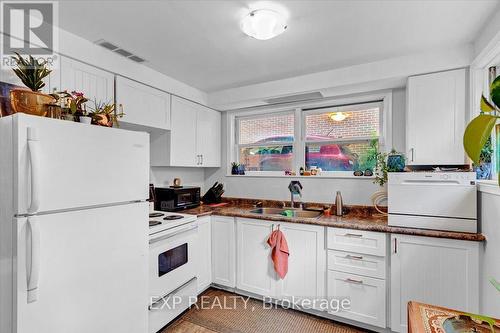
[(104, 114), (478, 131), (32, 101), (235, 168), (395, 161), (483, 169), (72, 105)]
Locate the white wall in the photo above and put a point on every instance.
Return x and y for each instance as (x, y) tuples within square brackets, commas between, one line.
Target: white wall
[(164, 176), (490, 260), (355, 191), (388, 73)]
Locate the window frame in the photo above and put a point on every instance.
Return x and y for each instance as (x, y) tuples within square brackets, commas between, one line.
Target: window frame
[(239, 145), (382, 98)]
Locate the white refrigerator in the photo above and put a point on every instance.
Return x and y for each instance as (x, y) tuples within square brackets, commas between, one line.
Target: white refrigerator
[(73, 227)]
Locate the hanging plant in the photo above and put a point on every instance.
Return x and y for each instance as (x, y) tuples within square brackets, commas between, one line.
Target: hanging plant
[(479, 129)]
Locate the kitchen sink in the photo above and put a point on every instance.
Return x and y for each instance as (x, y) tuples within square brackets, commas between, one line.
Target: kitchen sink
[(280, 211)]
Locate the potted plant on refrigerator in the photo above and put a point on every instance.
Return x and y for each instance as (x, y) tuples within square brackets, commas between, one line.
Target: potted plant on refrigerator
[(104, 114), (31, 72)]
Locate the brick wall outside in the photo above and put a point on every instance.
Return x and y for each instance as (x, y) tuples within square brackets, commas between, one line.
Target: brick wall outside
[(357, 124), (253, 130)]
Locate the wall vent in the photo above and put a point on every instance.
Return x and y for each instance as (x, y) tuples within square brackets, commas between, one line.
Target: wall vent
[(294, 98), (114, 48)]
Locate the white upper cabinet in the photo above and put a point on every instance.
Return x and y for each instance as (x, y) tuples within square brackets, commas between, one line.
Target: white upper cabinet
[(195, 138), (95, 83), (435, 119), (143, 105), (442, 272), (208, 136)]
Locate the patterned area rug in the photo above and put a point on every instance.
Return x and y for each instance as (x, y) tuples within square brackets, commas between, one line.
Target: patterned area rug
[(224, 312)]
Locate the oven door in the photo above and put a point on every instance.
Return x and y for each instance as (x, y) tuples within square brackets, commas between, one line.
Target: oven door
[(171, 260)]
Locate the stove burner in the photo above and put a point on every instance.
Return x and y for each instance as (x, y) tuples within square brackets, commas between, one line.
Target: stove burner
[(152, 223), (173, 217), (155, 214)]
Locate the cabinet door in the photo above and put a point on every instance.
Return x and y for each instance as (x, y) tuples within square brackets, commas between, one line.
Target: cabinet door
[(223, 251), (204, 244), (208, 137), (367, 297), (143, 105), (436, 118), (95, 83), (437, 271), (183, 135), (255, 267), (307, 261)]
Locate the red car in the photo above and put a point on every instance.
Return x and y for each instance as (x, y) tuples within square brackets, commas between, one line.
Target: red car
[(330, 157)]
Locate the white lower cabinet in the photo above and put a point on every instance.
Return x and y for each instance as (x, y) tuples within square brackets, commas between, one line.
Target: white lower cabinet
[(436, 271), (223, 251), (204, 246), (306, 264), (367, 297), (255, 271), (357, 269)]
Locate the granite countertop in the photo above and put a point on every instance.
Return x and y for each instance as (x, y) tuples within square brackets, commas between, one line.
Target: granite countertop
[(357, 217)]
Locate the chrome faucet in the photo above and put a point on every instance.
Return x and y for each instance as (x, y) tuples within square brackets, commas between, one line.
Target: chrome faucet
[(295, 188)]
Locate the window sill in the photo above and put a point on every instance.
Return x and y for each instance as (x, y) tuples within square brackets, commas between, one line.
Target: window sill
[(488, 186), (307, 177)]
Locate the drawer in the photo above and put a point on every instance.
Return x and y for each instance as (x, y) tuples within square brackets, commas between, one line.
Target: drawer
[(356, 263), (367, 297), (358, 241)]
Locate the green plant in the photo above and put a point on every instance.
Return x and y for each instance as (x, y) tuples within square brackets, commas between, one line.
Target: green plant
[(31, 71), (104, 113), (479, 129), (235, 165), (486, 152), (73, 100), (381, 169), (369, 159)]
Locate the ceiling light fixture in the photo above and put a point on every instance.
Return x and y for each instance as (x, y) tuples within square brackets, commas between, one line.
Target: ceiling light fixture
[(263, 24), (338, 116)]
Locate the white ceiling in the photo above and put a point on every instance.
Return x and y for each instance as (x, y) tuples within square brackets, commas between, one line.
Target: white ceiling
[(200, 43)]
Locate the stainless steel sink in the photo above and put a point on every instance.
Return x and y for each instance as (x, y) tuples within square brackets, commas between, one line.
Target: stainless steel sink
[(280, 211)]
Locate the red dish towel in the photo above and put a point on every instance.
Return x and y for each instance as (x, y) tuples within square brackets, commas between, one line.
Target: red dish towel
[(279, 252)]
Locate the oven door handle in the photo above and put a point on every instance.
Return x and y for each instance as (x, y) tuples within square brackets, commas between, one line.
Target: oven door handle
[(160, 238)]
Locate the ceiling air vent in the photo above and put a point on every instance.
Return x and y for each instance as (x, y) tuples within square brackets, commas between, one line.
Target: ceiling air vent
[(119, 50), (295, 98)]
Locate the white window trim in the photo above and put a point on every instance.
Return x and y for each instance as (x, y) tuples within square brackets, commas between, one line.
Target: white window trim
[(385, 138)]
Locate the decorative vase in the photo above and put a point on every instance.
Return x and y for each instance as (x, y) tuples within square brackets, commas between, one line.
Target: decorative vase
[(69, 117), (483, 171), (85, 119), (30, 102), (396, 162), (234, 170)]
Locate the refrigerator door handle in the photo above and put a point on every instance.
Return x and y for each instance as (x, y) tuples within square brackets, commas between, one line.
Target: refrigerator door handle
[(34, 155), (34, 268)]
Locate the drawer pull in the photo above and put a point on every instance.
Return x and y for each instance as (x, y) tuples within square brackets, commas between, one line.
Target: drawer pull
[(349, 256), (354, 281), (353, 235)]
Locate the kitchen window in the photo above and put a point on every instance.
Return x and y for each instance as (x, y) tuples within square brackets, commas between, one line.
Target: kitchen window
[(265, 142), (337, 137), (341, 138)]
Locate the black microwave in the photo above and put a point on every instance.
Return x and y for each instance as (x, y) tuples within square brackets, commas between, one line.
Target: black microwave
[(171, 199)]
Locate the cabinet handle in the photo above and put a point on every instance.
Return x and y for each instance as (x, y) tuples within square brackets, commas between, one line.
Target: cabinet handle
[(201, 163), (412, 153), (353, 235), (395, 245), (354, 281), (349, 256)]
